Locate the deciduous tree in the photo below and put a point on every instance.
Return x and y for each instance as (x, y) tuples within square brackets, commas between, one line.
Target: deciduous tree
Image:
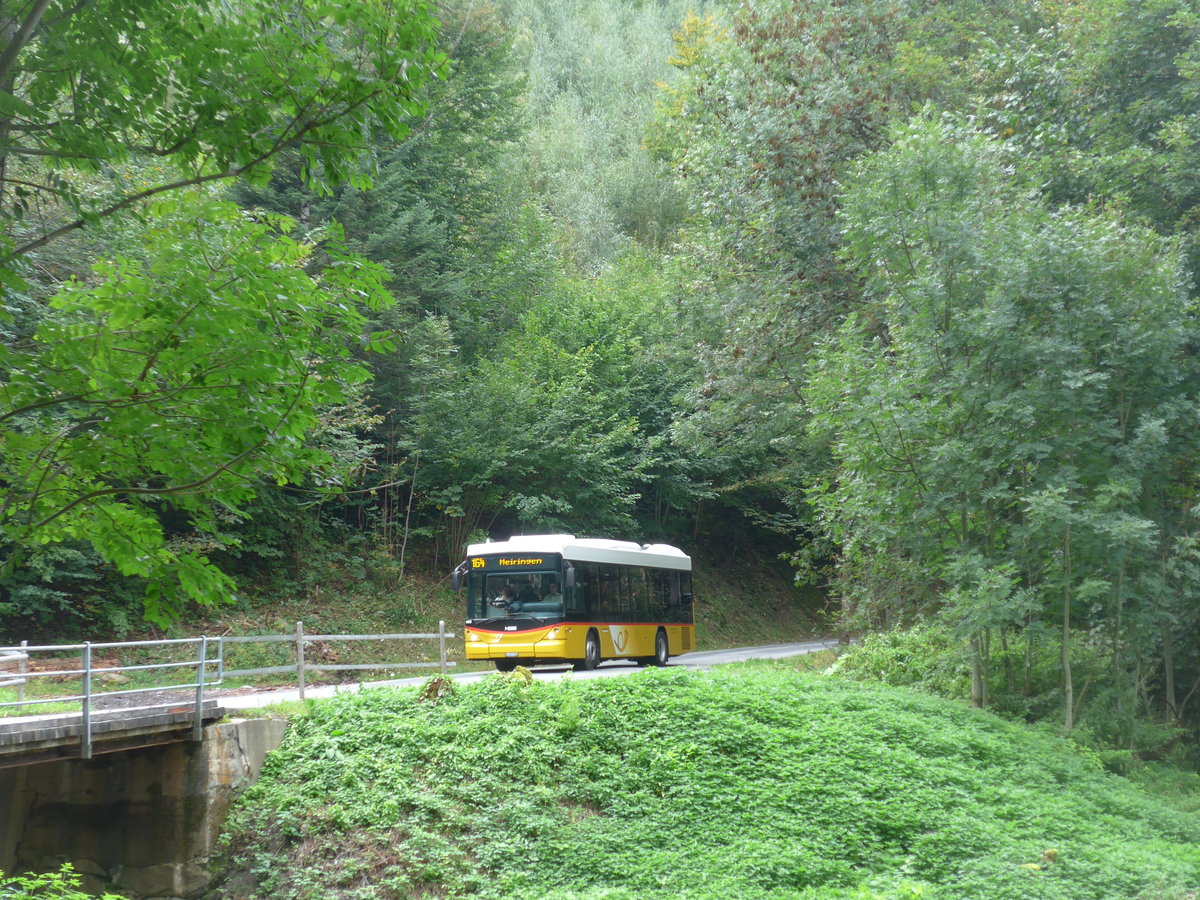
[(1008, 427), (192, 358)]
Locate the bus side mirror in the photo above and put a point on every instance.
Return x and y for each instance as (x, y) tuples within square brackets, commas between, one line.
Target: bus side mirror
[(457, 576), (569, 576)]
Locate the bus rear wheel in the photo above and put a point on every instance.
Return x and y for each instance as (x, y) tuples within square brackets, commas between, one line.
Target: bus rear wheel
[(591, 653), (662, 650), (506, 665)]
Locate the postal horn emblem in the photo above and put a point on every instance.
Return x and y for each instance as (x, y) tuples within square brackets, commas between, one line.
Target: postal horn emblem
[(620, 638)]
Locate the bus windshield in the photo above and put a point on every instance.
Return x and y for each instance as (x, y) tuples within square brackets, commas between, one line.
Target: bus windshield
[(508, 594)]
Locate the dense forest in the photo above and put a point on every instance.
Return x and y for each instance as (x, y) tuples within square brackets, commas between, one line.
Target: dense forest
[(902, 291)]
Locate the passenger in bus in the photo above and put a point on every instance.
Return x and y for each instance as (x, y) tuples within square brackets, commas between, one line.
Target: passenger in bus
[(552, 594), (528, 592)]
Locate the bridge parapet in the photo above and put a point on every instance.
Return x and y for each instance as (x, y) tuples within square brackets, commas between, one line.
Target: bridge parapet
[(85, 682), (159, 702), (34, 739)]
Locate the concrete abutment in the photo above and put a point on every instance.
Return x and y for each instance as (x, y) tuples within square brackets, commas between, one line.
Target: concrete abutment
[(142, 822)]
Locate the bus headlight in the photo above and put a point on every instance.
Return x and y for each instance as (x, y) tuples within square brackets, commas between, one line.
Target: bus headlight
[(553, 635), (472, 636)]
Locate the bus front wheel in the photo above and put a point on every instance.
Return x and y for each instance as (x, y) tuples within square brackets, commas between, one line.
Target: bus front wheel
[(591, 653)]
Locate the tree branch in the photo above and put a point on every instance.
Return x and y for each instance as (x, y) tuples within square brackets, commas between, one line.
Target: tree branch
[(188, 488), (22, 36), (281, 141)]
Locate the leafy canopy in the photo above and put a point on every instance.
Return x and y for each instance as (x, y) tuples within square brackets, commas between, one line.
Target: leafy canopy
[(150, 395), (210, 91), (191, 369)]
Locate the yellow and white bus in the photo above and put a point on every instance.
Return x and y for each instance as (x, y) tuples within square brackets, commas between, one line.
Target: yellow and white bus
[(555, 598)]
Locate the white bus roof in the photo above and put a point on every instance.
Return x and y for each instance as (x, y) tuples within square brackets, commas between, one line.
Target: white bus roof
[(589, 550)]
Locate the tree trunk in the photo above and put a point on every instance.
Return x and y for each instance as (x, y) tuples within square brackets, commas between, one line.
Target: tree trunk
[(987, 667), (977, 689), (1169, 671), (14, 36), (1068, 684), (1027, 686), (412, 489), (1118, 668), (1007, 660)]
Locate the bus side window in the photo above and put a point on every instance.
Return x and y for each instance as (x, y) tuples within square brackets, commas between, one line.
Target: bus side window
[(585, 591), (625, 608), (609, 593), (659, 594), (639, 580), (685, 597)]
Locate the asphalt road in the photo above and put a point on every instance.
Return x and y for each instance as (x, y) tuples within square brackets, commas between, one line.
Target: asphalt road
[(698, 660)]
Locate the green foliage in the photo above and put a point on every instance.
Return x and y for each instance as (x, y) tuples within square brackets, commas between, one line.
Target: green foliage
[(565, 422), (441, 215), (522, 394), (1008, 420), (1093, 103), (678, 784), (184, 352), (64, 884), (929, 659), (765, 120), (66, 587), (1136, 107), (189, 367), (594, 69), (1024, 684), (206, 93)]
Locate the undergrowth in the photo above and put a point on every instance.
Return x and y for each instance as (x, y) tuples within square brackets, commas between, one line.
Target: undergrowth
[(1124, 735), (749, 783), (65, 884)]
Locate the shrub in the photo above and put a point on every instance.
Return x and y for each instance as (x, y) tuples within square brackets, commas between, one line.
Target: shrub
[(926, 658), (932, 660), (64, 884)]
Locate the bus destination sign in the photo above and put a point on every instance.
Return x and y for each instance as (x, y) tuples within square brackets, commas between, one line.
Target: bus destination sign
[(506, 562)]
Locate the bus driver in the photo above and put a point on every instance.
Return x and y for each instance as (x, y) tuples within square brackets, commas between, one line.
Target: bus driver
[(497, 606)]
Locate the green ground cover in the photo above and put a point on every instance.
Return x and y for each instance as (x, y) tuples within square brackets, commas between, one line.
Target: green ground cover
[(744, 782)]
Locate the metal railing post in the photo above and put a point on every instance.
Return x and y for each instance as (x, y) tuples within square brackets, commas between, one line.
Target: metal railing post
[(442, 644), (21, 663), (201, 672), (87, 700), (300, 657)]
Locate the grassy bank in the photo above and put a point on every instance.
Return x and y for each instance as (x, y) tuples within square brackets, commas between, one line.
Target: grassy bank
[(753, 782)]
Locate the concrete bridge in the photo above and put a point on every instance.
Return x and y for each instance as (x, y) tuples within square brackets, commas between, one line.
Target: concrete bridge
[(132, 784), (47, 738), (141, 816)]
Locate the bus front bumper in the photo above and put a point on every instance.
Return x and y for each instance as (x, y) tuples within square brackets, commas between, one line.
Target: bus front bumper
[(489, 645)]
